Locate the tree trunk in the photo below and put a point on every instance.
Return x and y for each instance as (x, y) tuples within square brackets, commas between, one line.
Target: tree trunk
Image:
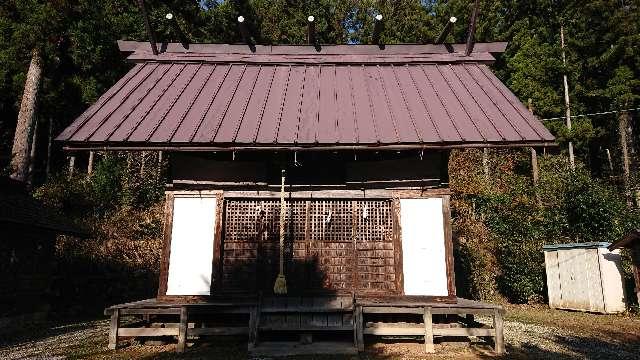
[(485, 163), (90, 164), (21, 139), (72, 165), (49, 141), (623, 123), (566, 99), (32, 153)]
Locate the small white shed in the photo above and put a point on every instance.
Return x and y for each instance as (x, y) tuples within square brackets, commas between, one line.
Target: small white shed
[(584, 277)]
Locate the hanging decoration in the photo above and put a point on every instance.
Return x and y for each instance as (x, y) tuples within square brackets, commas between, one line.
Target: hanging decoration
[(280, 286)]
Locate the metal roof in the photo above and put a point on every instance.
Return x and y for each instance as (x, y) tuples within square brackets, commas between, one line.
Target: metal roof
[(226, 97)]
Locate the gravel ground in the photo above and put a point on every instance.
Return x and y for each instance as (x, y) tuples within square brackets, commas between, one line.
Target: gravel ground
[(530, 333)]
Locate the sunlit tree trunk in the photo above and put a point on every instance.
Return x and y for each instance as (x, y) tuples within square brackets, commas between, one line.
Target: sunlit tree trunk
[(623, 124), (26, 116)]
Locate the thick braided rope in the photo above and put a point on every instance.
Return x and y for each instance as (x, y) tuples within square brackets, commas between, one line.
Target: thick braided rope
[(282, 215)]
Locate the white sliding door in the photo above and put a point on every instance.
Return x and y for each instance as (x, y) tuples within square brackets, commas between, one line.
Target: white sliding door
[(423, 247), (192, 237)]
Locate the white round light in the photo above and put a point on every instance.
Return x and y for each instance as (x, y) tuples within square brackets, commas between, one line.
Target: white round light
[(453, 19), (311, 18), (379, 17), (240, 19), (169, 16)]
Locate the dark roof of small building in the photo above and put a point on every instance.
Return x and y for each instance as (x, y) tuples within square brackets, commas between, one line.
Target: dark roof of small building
[(627, 241), (17, 206), (585, 245), (351, 96)]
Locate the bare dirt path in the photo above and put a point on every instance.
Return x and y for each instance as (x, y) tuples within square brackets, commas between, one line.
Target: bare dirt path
[(530, 333)]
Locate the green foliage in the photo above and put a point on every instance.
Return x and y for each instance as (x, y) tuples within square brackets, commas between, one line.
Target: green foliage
[(117, 182), (105, 182), (573, 207), (120, 208)]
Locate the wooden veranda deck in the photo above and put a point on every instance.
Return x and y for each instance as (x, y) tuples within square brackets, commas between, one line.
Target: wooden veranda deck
[(306, 315)]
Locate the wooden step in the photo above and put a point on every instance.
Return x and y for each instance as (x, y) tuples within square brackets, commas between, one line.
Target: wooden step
[(292, 348)]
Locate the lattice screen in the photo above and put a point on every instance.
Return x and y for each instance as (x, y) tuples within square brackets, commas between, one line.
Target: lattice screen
[(330, 244)]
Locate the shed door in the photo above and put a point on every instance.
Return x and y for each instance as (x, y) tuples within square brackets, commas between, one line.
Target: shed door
[(192, 235), (423, 247), (580, 280)]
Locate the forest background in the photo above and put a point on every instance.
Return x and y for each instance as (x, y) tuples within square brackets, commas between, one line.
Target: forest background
[(501, 220)]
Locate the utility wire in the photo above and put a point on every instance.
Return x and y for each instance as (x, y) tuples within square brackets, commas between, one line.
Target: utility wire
[(592, 114)]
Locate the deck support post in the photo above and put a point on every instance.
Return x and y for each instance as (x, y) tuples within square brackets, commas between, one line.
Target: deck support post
[(358, 328), (113, 329), (182, 330), (498, 326), (428, 330), (254, 321)]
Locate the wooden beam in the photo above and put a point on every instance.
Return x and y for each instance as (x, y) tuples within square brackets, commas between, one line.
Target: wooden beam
[(302, 193), (147, 24), (147, 332), (173, 22), (378, 27), (472, 28), (311, 30), (419, 330), (220, 330), (447, 29), (244, 32)]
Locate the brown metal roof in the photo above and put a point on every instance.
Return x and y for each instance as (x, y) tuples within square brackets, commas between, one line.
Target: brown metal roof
[(294, 98)]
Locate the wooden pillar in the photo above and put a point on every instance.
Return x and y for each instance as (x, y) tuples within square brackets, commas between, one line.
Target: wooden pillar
[(498, 326), (428, 330), (182, 330), (358, 328), (254, 323), (113, 330)]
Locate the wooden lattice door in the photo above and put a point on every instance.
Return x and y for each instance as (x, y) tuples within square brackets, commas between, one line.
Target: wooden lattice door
[(330, 245)]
